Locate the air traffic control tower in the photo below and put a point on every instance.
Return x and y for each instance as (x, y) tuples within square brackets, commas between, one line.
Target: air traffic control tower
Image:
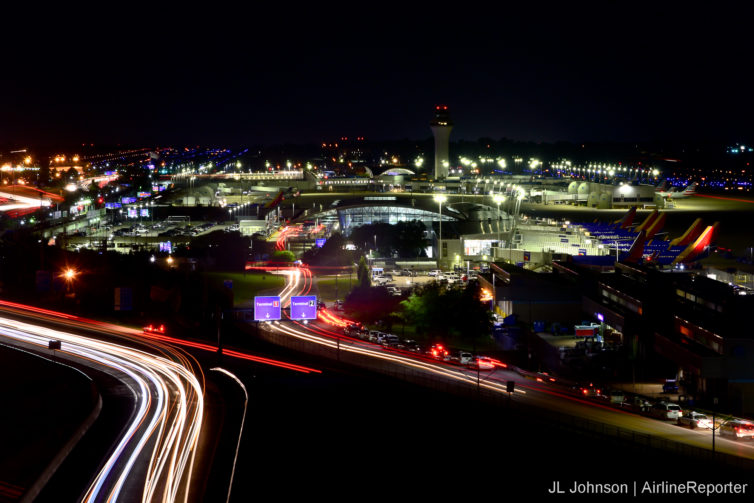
[(441, 127)]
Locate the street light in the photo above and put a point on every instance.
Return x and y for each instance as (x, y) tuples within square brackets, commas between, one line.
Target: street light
[(440, 198), (69, 274), (498, 199)]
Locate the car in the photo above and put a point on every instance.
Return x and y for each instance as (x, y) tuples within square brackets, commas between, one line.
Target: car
[(670, 386), (376, 336), (635, 403), (356, 330), (665, 410), (464, 357), (394, 290), (363, 334), (409, 345), (351, 329), (737, 428), (438, 351), (694, 419), (435, 272), (590, 390), (390, 340), (153, 328)]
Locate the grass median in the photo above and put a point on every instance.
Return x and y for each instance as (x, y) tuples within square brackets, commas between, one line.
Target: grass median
[(247, 285)]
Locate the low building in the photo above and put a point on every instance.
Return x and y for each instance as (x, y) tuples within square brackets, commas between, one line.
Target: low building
[(532, 296), (678, 325)]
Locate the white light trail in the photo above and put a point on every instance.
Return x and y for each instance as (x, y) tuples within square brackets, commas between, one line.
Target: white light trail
[(168, 411)]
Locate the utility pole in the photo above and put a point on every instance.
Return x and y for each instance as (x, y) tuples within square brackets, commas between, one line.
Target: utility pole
[(714, 410)]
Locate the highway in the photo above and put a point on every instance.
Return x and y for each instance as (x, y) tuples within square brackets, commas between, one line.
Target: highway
[(156, 456), (529, 392), (153, 457)]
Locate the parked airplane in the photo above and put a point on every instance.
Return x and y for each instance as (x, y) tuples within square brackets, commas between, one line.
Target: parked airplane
[(663, 186), (277, 200), (689, 191), (699, 248), (636, 245), (684, 251), (636, 251)]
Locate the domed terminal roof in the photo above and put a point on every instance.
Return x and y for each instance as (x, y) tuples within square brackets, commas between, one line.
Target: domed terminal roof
[(396, 172)]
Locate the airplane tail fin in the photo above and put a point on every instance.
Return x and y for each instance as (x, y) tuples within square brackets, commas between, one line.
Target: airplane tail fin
[(656, 225), (691, 189), (647, 221), (698, 247), (690, 235), (627, 219), (637, 249), (275, 201)]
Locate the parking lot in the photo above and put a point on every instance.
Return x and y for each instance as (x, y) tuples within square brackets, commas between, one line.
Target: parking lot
[(143, 234)]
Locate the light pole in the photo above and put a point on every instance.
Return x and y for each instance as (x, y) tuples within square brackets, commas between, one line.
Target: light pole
[(498, 199), (70, 275), (440, 198)]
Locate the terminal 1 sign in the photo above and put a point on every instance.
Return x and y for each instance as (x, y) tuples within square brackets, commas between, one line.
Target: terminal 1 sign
[(304, 307), (266, 308)]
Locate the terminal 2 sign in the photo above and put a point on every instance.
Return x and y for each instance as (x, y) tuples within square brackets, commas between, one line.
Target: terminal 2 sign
[(304, 307)]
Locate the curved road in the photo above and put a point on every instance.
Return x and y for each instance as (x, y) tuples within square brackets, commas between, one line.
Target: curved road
[(153, 458)]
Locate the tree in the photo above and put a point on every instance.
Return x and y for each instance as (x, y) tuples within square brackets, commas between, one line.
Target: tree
[(362, 273), (72, 175), (43, 175), (283, 256), (404, 238), (435, 310), (261, 249), (477, 318), (226, 250), (332, 253), (370, 304)]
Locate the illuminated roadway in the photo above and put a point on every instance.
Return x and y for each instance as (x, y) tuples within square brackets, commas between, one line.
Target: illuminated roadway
[(153, 458), (528, 391), (166, 419)]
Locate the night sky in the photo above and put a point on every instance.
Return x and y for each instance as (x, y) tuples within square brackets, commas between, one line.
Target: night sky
[(615, 76)]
